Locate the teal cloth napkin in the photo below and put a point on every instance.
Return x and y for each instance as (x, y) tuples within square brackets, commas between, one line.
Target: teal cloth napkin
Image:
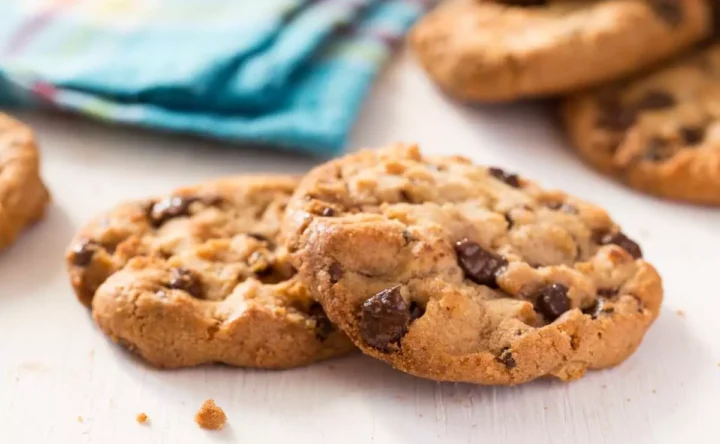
[(285, 73)]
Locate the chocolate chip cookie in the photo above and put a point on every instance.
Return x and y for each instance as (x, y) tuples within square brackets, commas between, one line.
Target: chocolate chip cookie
[(164, 226), (199, 276), (23, 196), (659, 132), (493, 51), (457, 272)]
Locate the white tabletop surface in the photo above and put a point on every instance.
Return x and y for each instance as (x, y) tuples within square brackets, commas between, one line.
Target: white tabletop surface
[(61, 381)]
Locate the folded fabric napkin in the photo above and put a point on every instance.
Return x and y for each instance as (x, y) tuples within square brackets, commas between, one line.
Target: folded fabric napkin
[(287, 73)]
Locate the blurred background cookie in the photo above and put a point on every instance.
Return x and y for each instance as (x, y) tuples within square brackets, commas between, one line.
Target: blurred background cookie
[(23, 196), (488, 51), (659, 132)]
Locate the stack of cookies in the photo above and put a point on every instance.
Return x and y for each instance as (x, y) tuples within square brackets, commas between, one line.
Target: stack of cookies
[(442, 268), (640, 79)]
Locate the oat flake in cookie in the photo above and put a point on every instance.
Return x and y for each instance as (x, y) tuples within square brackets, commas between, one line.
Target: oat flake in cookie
[(23, 196), (660, 132), (458, 272), (199, 276), (494, 51)]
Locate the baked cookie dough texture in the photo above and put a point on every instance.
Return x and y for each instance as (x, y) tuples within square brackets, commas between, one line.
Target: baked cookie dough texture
[(198, 276), (458, 272)]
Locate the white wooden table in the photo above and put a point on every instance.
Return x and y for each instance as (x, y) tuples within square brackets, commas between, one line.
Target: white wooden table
[(55, 367)]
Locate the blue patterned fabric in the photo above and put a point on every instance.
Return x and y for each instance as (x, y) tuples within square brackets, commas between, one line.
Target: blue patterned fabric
[(285, 73)]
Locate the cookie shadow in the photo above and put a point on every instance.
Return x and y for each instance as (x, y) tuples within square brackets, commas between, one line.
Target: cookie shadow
[(35, 259), (374, 402), (648, 389)]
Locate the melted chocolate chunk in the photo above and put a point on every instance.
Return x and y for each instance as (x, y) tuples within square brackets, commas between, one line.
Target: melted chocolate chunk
[(619, 239), (323, 326), (552, 301), (170, 208), (384, 319), (506, 358), (509, 178), (187, 280), (83, 252), (692, 135), (480, 266)]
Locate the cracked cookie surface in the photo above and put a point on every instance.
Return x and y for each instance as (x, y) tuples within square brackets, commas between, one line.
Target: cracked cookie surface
[(659, 132), (23, 197), (482, 50), (199, 277), (458, 272), (167, 225)]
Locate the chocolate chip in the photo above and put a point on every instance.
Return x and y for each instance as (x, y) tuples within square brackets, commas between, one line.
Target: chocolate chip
[(658, 150), (613, 115), (384, 319), (562, 206), (480, 266), (258, 237), (509, 178), (692, 135), (336, 272), (212, 201), (328, 212), (607, 292), (619, 239), (656, 99), (187, 280), (507, 358), (169, 208), (323, 326), (83, 252), (552, 301), (509, 220), (405, 196), (671, 11)]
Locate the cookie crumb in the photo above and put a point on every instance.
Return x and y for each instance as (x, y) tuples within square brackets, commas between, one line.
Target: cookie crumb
[(210, 416), (141, 418), (654, 391), (680, 313), (79, 418)]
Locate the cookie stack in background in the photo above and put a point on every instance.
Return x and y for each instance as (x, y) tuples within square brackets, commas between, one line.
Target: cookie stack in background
[(639, 79), (441, 268)]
